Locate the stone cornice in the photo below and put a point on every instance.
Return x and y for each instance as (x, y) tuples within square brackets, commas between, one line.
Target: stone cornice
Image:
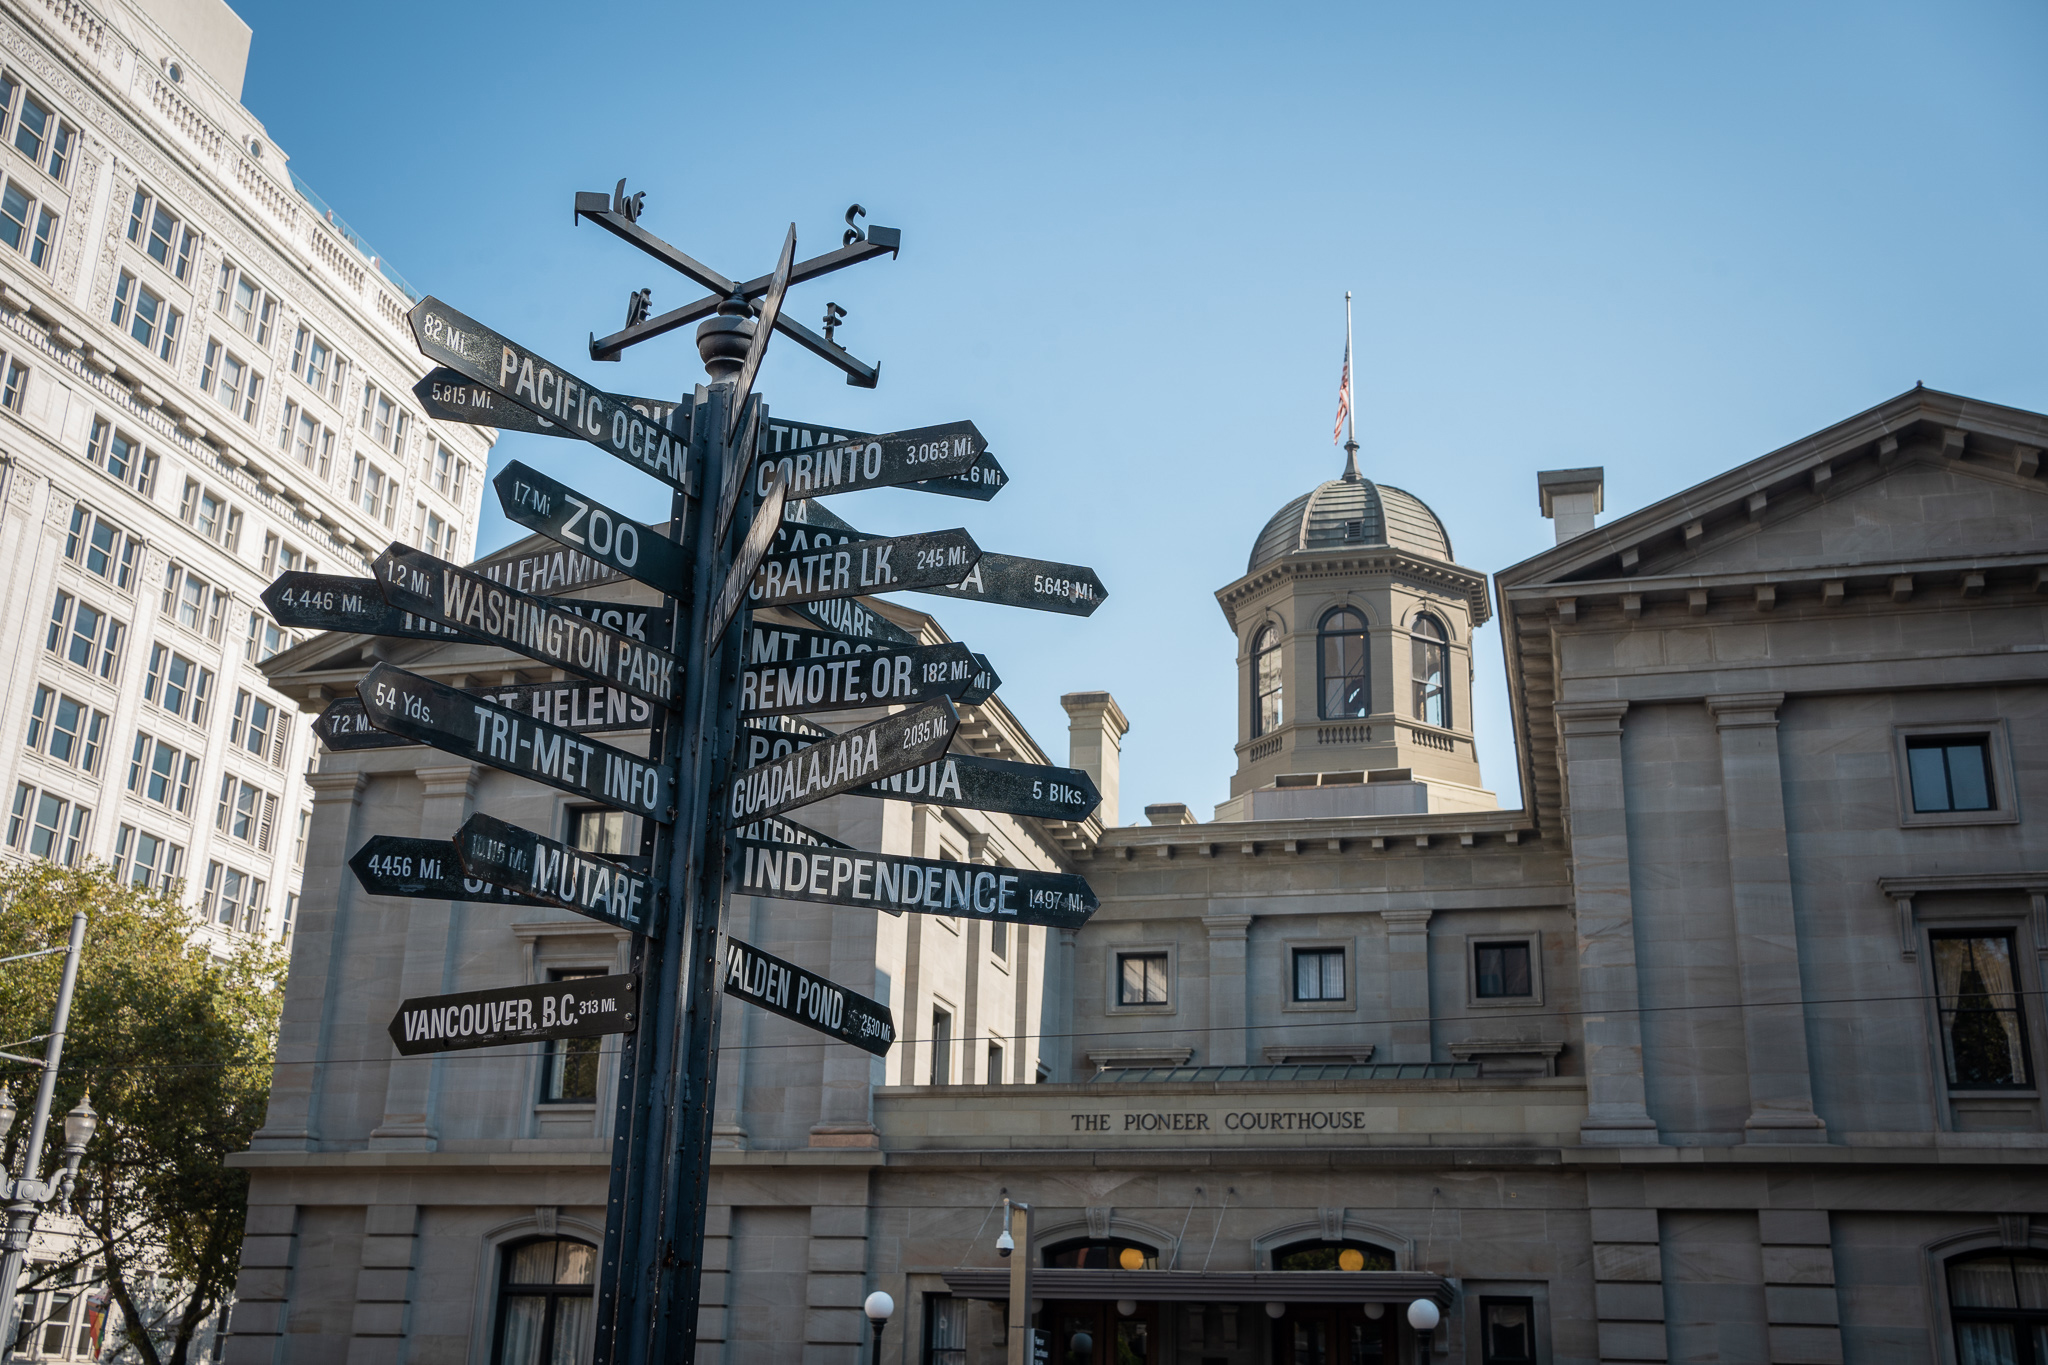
[(1351, 563), (1342, 834)]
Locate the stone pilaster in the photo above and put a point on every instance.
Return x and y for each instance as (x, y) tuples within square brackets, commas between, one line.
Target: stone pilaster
[(1766, 940), (1799, 1287), (413, 1082), (1409, 1036), (834, 1327), (1628, 1285), (1228, 935), (1061, 1052), (1616, 1111), (262, 1286), (384, 1285), (846, 1110)]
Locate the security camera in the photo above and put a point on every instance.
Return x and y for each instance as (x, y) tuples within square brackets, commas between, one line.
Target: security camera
[(1005, 1244)]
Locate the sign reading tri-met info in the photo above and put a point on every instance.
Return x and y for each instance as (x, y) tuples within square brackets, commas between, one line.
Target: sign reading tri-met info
[(502, 738), (539, 627), (579, 1007), (788, 990)]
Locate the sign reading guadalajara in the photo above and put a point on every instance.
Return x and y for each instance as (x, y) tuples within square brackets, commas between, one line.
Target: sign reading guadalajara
[(553, 873), (606, 421), (500, 737), (895, 457), (451, 398), (882, 881), (538, 627), (788, 990), (580, 1007), (905, 740)]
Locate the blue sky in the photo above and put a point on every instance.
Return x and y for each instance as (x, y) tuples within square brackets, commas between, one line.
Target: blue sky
[(1663, 239)]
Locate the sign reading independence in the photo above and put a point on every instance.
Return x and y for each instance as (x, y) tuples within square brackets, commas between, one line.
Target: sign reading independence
[(579, 1007), (882, 881), (500, 737), (424, 869), (538, 627), (451, 398), (325, 601), (606, 421), (892, 459), (907, 739), (788, 990), (553, 873), (794, 671), (587, 708), (560, 513), (1038, 790)]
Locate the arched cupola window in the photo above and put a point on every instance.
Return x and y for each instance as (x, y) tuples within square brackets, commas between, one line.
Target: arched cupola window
[(1432, 672), (1342, 666), (1999, 1304), (1266, 710)]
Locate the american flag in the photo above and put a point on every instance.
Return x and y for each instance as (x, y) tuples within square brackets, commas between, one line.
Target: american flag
[(1343, 398)]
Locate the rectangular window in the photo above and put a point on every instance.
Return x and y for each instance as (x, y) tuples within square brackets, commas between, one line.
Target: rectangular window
[(945, 1340), (373, 491), (159, 773), (299, 846), (66, 729), (1983, 1031), (1141, 978), (244, 303), (1507, 1331), (383, 421), (318, 365), (163, 237), (596, 830), (146, 316), (143, 859), (39, 134), (291, 914), (208, 513), (14, 385), (1501, 970), (999, 939), (568, 1068), (29, 229), (192, 601), (233, 384), (1318, 973), (444, 467), (1950, 773), (49, 815), (122, 457), (101, 548), (82, 634), (265, 638), (254, 724), (233, 898), (942, 1047), (995, 1063), (304, 437)]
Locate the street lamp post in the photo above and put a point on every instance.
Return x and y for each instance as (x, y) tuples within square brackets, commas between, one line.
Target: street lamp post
[(878, 1308), (1423, 1316), (25, 1195)]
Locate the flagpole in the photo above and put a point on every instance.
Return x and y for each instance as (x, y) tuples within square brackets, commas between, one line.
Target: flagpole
[(1350, 396)]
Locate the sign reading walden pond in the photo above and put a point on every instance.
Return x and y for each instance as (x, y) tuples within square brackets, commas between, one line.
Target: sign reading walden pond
[(713, 783)]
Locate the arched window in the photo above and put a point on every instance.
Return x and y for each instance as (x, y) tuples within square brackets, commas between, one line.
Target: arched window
[(1432, 672), (2000, 1307), (1266, 682), (544, 1308), (1345, 1255), (1113, 1254), (1341, 669)]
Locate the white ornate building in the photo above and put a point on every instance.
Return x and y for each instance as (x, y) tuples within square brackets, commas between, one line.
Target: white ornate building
[(205, 379)]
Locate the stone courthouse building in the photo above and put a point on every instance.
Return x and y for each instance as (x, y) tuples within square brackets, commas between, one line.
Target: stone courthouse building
[(1724, 1048)]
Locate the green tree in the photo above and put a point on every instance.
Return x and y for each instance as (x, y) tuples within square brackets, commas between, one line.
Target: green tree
[(173, 1039)]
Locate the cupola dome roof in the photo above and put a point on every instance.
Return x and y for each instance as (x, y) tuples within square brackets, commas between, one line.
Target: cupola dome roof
[(1351, 511)]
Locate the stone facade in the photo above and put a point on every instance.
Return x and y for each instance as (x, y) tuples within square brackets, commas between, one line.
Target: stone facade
[(1658, 1068)]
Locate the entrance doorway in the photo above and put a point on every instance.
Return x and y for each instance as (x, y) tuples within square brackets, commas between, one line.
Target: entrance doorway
[(1333, 1334), (1085, 1333)]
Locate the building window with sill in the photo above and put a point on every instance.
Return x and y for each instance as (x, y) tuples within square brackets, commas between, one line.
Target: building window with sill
[(1141, 979), (1950, 773), (568, 1066), (1501, 970), (1507, 1331), (995, 1063), (1983, 1033), (593, 829), (942, 1047), (1318, 974), (544, 1303), (2000, 1307), (1432, 672), (1266, 699), (1346, 691)]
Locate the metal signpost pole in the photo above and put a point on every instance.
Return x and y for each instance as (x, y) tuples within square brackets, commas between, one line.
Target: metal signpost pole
[(29, 1192)]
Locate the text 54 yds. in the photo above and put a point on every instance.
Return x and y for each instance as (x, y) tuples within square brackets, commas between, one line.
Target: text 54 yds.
[(403, 703)]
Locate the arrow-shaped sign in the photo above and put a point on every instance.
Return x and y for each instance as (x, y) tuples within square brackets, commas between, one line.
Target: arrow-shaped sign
[(924, 886), (848, 616), (1038, 790), (502, 738), (882, 564), (578, 1007), (586, 708), (788, 990), (891, 460), (740, 573), (449, 397), (790, 670), (764, 328), (981, 480), (611, 538), (547, 390), (541, 628), (1008, 580), (553, 873), (425, 869), (907, 739), (326, 601)]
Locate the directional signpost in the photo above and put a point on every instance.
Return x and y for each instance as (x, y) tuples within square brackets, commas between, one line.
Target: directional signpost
[(580, 1007), (743, 532)]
